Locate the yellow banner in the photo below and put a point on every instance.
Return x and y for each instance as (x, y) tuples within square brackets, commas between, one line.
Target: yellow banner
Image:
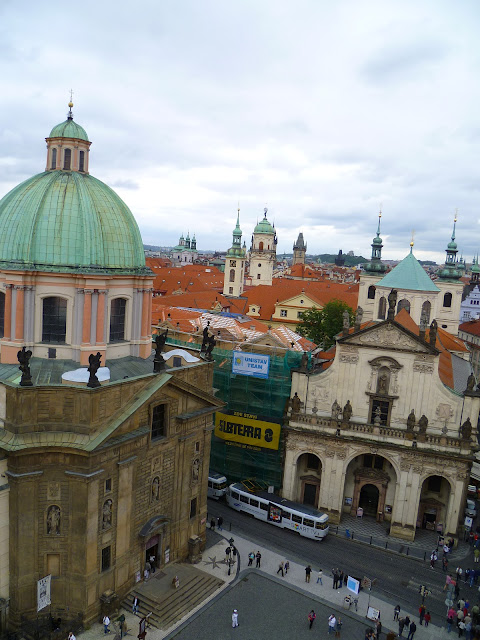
[(256, 433)]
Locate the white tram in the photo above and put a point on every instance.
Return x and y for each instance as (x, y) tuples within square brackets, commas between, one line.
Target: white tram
[(217, 485), (252, 498)]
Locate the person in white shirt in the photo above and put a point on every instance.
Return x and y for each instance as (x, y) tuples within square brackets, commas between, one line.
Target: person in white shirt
[(332, 623), (106, 622), (235, 618)]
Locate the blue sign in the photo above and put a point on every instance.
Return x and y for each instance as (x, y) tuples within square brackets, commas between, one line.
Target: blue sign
[(250, 364), (353, 585)]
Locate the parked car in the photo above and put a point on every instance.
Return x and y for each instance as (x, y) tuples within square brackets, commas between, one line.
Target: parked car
[(471, 509)]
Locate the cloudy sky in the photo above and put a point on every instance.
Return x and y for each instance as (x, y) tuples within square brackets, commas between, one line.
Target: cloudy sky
[(322, 110)]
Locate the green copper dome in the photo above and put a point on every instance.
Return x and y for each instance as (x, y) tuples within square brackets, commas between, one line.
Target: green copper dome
[(69, 129), (67, 221), (264, 226)]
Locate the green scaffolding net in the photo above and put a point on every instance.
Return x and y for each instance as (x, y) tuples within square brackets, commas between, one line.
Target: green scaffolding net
[(264, 398)]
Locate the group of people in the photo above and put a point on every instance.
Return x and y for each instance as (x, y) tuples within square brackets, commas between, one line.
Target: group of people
[(257, 557), (374, 633), (218, 522), (462, 618), (339, 578)]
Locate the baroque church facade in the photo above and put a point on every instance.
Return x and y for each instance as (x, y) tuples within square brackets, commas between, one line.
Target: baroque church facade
[(94, 479), (388, 427)]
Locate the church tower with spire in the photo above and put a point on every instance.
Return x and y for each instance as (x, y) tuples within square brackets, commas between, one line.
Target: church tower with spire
[(372, 272), (451, 288), (263, 253), (299, 250), (235, 264)]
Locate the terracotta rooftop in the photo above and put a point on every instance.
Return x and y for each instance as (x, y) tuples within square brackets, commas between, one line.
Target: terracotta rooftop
[(472, 327)]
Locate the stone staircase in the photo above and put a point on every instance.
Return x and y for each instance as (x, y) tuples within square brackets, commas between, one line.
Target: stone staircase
[(166, 604)]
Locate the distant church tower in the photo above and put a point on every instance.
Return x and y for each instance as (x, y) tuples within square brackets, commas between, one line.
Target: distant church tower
[(299, 250), (451, 288), (372, 272), (235, 264), (263, 254)]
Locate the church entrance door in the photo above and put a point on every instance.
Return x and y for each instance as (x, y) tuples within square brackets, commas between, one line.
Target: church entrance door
[(151, 551), (310, 494), (369, 496)]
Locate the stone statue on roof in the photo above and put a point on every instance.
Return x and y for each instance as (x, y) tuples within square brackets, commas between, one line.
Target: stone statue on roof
[(336, 410), (347, 412), (470, 382), (423, 424), (23, 357), (211, 342), (466, 430), (433, 333), (206, 330), (93, 367), (159, 343)]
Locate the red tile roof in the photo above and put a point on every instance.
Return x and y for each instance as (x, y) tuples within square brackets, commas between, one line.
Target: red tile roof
[(472, 327)]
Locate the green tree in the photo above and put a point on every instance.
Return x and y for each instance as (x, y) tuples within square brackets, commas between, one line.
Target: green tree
[(322, 325)]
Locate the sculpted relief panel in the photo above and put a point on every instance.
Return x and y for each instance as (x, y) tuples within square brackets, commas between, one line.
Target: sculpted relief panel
[(388, 336)]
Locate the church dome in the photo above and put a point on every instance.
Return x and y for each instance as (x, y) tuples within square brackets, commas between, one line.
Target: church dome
[(68, 129), (264, 226), (68, 221)]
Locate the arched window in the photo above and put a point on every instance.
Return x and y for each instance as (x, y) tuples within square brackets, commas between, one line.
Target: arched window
[(54, 159), (382, 308), (2, 314), (67, 160), (371, 293), (447, 299), (260, 246), (81, 163), (426, 310), (232, 275), (54, 320), (117, 319), (403, 304)]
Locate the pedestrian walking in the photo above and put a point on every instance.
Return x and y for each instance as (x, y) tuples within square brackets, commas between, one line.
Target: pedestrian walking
[(258, 557), (396, 612), (335, 578), (433, 559), (378, 629), (444, 563), (228, 551), (476, 554), (280, 569), (421, 612), (212, 524), (332, 623), (251, 558), (340, 580), (71, 636), (311, 618), (411, 633), (219, 523), (459, 572), (135, 605), (234, 619), (338, 628), (461, 628), (106, 624), (308, 571), (152, 562), (401, 625), (286, 566), (320, 577), (427, 618)]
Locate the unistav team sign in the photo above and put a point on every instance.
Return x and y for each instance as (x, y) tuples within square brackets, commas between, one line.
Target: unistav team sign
[(249, 431), (250, 364)]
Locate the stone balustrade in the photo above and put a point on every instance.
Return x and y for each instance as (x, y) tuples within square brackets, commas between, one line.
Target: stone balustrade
[(381, 433)]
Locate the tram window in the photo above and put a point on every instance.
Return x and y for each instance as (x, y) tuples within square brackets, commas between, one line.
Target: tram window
[(254, 503), (264, 506), (244, 499), (307, 522), (286, 515), (320, 525), (235, 495), (296, 518)]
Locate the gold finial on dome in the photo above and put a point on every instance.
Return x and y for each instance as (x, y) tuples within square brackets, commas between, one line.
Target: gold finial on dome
[(70, 105), (411, 241)]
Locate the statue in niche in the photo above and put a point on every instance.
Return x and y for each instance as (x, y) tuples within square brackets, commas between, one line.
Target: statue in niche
[(211, 343), (377, 420), (466, 430), (195, 469), (423, 424), (53, 520), (156, 488), (159, 343), (432, 338), (411, 420), (470, 382), (392, 303), (347, 411), (336, 410), (23, 358), (383, 384), (107, 514), (205, 337), (93, 367), (296, 403)]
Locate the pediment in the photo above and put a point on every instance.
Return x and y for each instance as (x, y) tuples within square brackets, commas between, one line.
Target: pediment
[(388, 335)]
